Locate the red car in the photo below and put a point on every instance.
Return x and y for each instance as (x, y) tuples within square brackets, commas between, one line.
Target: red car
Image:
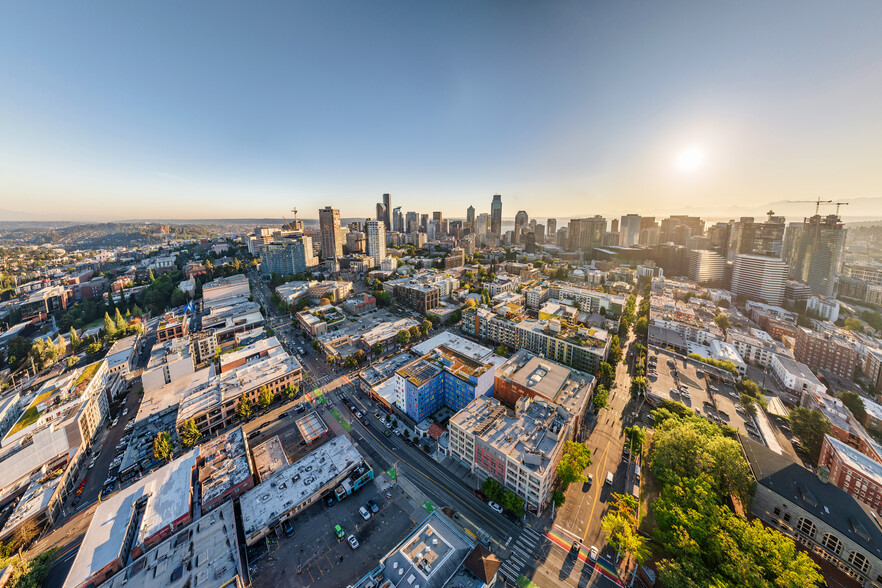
[(480, 495)]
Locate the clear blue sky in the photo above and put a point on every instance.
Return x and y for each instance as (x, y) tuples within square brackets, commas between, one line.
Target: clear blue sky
[(231, 109)]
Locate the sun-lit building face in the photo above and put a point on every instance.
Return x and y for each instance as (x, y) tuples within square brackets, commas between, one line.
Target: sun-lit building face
[(691, 159)]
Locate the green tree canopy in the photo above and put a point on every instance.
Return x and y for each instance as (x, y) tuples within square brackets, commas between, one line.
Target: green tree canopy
[(641, 327), (290, 391), (403, 337), (109, 326), (605, 373), (601, 397), (636, 436), (377, 348), (415, 332), (245, 408), (620, 526), (722, 321), (162, 446), (576, 457), (850, 399), (810, 426), (265, 397), (189, 433), (852, 324), (425, 327)]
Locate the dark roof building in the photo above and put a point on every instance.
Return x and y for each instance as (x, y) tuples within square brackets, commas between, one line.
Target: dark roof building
[(829, 523)]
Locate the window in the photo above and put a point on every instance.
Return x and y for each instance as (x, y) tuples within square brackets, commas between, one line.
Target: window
[(859, 561), (807, 527), (787, 517), (832, 542), (777, 512)]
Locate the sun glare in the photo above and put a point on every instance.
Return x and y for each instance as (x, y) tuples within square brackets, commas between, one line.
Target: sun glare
[(691, 159)]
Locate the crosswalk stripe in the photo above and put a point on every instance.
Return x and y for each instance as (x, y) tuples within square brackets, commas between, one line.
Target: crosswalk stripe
[(515, 557), (532, 532), (522, 551), (527, 541)]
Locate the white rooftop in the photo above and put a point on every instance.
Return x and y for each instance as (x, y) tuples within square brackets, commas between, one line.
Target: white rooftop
[(168, 491), (453, 342)]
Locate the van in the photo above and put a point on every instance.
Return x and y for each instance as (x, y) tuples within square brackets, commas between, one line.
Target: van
[(609, 478), (637, 471)]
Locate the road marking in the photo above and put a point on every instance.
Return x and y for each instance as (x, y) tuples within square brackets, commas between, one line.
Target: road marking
[(599, 487)]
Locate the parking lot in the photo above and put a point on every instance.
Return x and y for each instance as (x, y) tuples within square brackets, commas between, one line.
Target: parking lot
[(314, 556), (711, 398)]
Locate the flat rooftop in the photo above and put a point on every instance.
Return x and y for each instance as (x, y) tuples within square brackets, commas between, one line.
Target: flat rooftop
[(799, 369), (455, 343), (558, 383), (225, 464), (204, 553), (162, 399), (311, 427), (379, 372), (292, 485), (269, 456), (254, 350), (428, 557), (168, 494)]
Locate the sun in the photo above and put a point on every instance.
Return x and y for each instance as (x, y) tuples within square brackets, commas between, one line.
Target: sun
[(691, 159)]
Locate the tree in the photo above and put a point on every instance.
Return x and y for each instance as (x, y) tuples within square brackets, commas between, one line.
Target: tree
[(425, 327), (109, 326), (576, 457), (316, 345), (641, 327), (615, 351), (502, 351), (290, 391), (245, 408), (162, 446), (75, 341), (558, 498), (377, 349), (605, 373), (324, 302), (636, 436), (150, 277), (359, 357), (403, 337), (810, 426), (136, 311), (620, 525), (601, 397), (852, 324), (265, 397), (189, 433), (350, 362), (178, 298), (722, 321), (433, 318), (638, 384), (415, 332), (855, 404), (61, 346), (119, 322)]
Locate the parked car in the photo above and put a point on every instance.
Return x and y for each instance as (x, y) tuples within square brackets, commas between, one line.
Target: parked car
[(387, 432), (373, 506), (592, 554), (364, 513), (353, 542), (357, 414), (338, 530), (288, 527), (477, 493), (495, 506)]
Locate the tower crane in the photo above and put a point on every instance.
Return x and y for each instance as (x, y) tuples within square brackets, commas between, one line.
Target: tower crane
[(838, 204), (817, 203)]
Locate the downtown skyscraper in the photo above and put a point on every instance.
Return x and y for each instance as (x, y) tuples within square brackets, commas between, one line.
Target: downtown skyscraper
[(331, 233), (496, 216)]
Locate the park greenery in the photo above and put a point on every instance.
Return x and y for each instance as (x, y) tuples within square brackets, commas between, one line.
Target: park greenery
[(855, 404), (620, 526), (601, 397), (703, 542)]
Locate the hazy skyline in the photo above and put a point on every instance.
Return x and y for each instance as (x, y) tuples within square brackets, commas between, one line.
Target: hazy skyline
[(217, 110)]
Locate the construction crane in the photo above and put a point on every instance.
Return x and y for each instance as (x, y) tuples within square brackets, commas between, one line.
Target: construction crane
[(817, 203), (838, 204)]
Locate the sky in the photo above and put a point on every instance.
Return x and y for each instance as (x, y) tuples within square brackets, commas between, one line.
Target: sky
[(121, 110)]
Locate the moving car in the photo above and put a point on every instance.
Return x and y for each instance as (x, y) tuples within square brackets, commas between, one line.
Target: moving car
[(609, 478), (592, 554), (590, 479), (495, 506)]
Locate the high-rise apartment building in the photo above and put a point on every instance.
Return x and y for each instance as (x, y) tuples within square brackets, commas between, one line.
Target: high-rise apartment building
[(814, 250), (586, 234), (496, 216), (375, 240), (629, 230), (521, 219), (470, 217), (706, 267), (387, 211), (760, 278), (331, 233), (411, 222), (424, 222), (381, 212), (551, 228), (293, 255)]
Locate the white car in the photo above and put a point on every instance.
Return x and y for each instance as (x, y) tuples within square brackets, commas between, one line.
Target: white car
[(357, 414), (365, 513), (495, 506), (593, 553), (353, 542)]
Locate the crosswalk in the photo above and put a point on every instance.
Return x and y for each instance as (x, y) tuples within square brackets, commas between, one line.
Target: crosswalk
[(523, 553)]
